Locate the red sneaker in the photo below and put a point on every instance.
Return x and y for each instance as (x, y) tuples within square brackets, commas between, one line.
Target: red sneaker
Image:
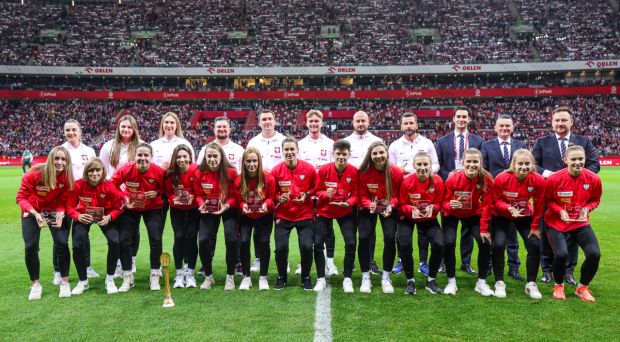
[(558, 292), (584, 293)]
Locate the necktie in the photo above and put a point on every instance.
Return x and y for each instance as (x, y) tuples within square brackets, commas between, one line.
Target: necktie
[(506, 154), (461, 146), (563, 147)]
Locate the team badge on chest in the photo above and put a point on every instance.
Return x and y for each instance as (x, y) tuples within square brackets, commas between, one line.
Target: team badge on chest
[(151, 180), (102, 195), (586, 186), (276, 149), (348, 179), (530, 188), (302, 177)]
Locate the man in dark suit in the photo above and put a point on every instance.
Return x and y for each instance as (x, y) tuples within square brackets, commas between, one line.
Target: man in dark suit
[(549, 153), (496, 155), (450, 150)]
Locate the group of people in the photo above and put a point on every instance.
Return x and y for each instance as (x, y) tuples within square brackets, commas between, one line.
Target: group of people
[(545, 195)]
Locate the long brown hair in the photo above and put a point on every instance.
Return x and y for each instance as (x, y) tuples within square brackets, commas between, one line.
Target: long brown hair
[(48, 172), (223, 169), (173, 169), (482, 173), (244, 185), (368, 163), (178, 131), (115, 154)]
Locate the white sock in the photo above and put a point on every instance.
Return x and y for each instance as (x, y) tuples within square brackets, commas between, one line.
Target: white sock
[(386, 275), (365, 274), (580, 285), (155, 271), (330, 261), (481, 281), (413, 280), (451, 280), (190, 271), (430, 279), (133, 259), (179, 272)]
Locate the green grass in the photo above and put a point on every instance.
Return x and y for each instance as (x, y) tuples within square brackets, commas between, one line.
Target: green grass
[(289, 314)]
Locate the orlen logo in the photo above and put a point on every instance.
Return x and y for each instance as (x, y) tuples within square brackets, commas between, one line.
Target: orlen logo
[(602, 64), (606, 162), (457, 67), (221, 70), (333, 69), (90, 70), (169, 95)]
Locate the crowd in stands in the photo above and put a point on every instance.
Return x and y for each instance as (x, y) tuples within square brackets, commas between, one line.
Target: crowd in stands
[(37, 125), (207, 33)]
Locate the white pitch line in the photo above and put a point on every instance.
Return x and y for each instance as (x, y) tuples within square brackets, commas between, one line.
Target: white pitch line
[(323, 318)]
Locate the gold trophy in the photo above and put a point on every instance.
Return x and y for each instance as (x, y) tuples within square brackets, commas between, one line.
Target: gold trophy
[(165, 263)]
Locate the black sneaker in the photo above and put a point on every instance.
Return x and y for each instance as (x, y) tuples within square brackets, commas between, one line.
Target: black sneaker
[(432, 287), (374, 269), (468, 269), (280, 284), (307, 284), (410, 290)]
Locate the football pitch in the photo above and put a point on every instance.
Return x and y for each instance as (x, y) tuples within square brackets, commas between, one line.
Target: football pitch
[(291, 314)]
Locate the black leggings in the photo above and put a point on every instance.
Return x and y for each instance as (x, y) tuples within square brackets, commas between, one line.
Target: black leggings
[(321, 234), (80, 235), (450, 224), (432, 233), (586, 239), (366, 229), (129, 221), (185, 227), (305, 236), (207, 236), (500, 234), (31, 234), (262, 229)]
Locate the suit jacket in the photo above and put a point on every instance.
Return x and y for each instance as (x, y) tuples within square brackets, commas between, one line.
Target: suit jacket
[(445, 152), (548, 156), (493, 155)]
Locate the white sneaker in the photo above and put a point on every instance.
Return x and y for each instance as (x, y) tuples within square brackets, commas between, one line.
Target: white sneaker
[(91, 273), (332, 270), (118, 273), (263, 284), (532, 289), (347, 285), (128, 282), (35, 292), (229, 284), (386, 285), (179, 281), (500, 289), (255, 266), (320, 285), (65, 290), (297, 269), (133, 267), (81, 286), (154, 282), (483, 288), (57, 279), (208, 283), (451, 288), (246, 283), (201, 272), (366, 285), (110, 286), (190, 281)]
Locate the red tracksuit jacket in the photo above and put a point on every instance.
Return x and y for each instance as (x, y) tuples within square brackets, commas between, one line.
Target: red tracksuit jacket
[(371, 184), (413, 192), (509, 191), (207, 184), (300, 179), (105, 195), (269, 191), (134, 181), (186, 183), (481, 201), (346, 182), (33, 194)]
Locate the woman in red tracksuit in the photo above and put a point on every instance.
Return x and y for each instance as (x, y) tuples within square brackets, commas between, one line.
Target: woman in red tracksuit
[(421, 196), (215, 195), (336, 190), (144, 184), (468, 198), (255, 189), (42, 197), (95, 200), (512, 192), (378, 186), (570, 195), (295, 181), (184, 216)]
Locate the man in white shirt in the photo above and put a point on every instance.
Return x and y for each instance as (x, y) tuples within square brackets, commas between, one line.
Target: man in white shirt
[(268, 142), (233, 151), (360, 139)]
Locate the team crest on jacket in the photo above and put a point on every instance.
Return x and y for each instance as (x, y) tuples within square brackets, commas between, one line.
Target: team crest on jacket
[(586, 186), (231, 156), (151, 180), (323, 153), (276, 149), (431, 190), (348, 179), (478, 186), (61, 185), (302, 177), (102, 195), (530, 188)]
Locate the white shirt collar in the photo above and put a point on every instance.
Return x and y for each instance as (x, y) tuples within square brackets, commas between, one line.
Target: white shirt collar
[(567, 137), (456, 133), (509, 141)]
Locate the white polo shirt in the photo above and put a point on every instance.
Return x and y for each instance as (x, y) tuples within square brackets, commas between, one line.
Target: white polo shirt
[(317, 152), (104, 155), (163, 148), (402, 151), (270, 149), (233, 151), (79, 157), (359, 146)]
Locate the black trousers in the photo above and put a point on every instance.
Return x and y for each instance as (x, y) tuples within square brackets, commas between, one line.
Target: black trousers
[(31, 233), (207, 237), (431, 232), (86, 250), (546, 252), (262, 229), (500, 232), (185, 227), (112, 234), (450, 225), (585, 238), (305, 235), (321, 234), (130, 221), (367, 228)]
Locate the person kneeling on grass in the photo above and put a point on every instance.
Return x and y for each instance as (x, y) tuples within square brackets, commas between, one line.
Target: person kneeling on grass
[(571, 194), (96, 200)]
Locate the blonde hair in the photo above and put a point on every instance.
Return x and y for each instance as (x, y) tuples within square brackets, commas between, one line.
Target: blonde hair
[(423, 154), (73, 121), (48, 172), (521, 153), (367, 163), (244, 185), (314, 112), (115, 154), (178, 131), (91, 164)]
